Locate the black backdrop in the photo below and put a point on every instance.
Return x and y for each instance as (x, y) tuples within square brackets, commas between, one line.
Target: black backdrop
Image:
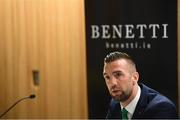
[(155, 52)]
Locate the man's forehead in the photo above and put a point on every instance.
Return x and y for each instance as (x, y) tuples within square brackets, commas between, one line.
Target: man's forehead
[(115, 65)]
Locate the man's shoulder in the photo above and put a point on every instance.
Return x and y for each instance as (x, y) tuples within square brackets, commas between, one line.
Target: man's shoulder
[(156, 105), (160, 101), (156, 99)]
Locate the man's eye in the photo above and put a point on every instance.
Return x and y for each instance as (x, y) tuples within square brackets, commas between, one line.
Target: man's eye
[(118, 75)]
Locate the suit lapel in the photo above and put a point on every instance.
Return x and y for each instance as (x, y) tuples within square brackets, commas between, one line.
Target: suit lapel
[(141, 105)]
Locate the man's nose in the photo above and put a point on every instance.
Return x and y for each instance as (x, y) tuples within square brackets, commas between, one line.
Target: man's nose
[(114, 81)]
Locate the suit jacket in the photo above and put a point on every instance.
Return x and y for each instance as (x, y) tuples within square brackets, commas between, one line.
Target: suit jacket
[(151, 105)]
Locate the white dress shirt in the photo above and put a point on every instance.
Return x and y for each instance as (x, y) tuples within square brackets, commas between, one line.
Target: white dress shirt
[(132, 105)]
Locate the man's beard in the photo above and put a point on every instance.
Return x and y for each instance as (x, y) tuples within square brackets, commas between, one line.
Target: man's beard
[(123, 97)]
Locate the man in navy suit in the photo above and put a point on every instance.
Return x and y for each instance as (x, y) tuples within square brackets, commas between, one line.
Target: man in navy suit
[(131, 100)]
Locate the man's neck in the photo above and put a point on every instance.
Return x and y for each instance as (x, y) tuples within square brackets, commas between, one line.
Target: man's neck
[(132, 96)]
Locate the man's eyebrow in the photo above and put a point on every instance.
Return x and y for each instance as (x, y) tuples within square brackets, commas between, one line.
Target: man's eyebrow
[(117, 71)]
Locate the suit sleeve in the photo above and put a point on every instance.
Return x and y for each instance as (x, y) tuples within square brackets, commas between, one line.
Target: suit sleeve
[(163, 109)]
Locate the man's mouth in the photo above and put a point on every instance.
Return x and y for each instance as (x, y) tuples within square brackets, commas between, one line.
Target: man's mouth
[(116, 91)]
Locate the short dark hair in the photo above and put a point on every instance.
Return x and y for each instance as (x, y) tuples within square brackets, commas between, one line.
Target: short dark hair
[(113, 56)]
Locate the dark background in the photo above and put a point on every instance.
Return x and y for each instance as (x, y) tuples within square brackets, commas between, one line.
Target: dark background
[(157, 66)]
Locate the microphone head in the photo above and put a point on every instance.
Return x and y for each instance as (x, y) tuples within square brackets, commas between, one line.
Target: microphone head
[(32, 96)]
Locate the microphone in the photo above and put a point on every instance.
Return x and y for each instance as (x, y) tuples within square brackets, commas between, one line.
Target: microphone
[(32, 96)]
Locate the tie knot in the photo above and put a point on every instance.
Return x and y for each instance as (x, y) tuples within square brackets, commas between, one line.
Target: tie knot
[(124, 114)]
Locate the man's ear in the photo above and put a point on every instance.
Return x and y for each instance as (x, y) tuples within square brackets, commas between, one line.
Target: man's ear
[(135, 77)]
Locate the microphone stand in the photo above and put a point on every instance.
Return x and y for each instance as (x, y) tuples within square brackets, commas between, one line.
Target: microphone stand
[(29, 97)]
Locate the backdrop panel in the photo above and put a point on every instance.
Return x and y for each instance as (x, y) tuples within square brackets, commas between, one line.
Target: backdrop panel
[(146, 29)]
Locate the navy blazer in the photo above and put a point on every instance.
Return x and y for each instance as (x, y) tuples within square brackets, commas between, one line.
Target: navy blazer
[(151, 105)]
